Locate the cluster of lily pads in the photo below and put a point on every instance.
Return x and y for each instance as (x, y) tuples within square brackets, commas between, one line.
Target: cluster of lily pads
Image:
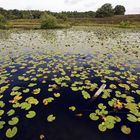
[(73, 68)]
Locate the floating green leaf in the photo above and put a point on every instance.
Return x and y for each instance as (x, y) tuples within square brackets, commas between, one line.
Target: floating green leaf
[(1, 112), (10, 133), (51, 118), (138, 92), (2, 104), (93, 116), (16, 88), (11, 112), (2, 123), (25, 106), (131, 118), (86, 95), (13, 121), (126, 130), (31, 114), (102, 127), (57, 95), (73, 108)]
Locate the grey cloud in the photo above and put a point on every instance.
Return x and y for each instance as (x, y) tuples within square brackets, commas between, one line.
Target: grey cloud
[(72, 1), (91, 4)]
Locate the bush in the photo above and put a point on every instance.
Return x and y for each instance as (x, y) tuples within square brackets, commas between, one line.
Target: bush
[(48, 21), (2, 19), (105, 11), (124, 24), (62, 16), (119, 10), (2, 22)]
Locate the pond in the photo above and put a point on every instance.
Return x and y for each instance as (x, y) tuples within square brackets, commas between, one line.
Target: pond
[(69, 84)]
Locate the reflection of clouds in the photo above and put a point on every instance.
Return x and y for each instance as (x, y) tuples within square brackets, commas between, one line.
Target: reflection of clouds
[(4, 34)]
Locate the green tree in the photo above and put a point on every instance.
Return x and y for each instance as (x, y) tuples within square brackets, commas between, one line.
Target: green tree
[(105, 11), (48, 21), (119, 10)]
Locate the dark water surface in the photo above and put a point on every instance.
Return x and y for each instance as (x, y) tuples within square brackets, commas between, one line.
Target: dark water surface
[(80, 57)]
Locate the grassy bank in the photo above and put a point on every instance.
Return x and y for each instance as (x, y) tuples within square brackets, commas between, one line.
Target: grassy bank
[(128, 21)]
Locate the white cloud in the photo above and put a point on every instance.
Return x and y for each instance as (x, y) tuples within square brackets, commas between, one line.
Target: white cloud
[(132, 6)]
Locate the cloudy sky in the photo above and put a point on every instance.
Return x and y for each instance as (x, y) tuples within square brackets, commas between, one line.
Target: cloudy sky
[(132, 6)]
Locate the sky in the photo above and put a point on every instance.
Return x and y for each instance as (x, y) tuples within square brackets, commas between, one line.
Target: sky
[(132, 6)]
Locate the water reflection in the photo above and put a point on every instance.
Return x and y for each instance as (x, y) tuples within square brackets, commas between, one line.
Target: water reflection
[(4, 34)]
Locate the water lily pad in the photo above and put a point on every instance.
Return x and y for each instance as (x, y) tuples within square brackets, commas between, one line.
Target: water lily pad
[(36, 91), (57, 95), (86, 95), (13, 121), (15, 93), (126, 130), (50, 99), (16, 88), (1, 112), (26, 90), (112, 86), (134, 85), (31, 114), (93, 116), (2, 104), (102, 127), (101, 106), (11, 112), (51, 118), (16, 105), (72, 108), (32, 84), (2, 123), (109, 124), (138, 92), (25, 106), (10, 133), (32, 100), (131, 118)]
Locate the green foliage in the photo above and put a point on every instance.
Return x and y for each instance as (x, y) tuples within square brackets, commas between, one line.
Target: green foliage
[(119, 10), (62, 16), (124, 24), (48, 21), (2, 21), (105, 11)]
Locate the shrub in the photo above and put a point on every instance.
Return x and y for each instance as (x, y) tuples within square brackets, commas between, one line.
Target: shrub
[(124, 24), (48, 21), (2, 22)]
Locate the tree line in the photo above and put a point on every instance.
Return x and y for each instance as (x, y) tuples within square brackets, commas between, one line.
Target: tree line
[(104, 11)]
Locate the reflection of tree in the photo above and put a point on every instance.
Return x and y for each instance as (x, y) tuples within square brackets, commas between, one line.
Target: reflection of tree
[(4, 34), (106, 33), (49, 35)]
